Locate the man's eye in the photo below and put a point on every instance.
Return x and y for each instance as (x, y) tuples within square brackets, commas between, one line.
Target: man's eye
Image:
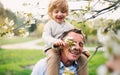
[(81, 44)]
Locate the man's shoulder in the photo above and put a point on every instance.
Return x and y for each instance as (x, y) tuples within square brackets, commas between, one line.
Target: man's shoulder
[(42, 61), (39, 68)]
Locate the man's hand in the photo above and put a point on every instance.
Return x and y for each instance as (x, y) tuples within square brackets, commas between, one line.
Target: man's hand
[(86, 53)]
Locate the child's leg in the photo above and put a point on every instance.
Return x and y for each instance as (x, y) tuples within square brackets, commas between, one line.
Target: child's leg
[(82, 65), (53, 60)]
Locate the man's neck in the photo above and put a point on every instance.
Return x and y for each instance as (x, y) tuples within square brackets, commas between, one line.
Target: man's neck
[(67, 63)]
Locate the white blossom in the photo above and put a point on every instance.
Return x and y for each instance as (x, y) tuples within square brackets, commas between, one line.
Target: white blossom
[(6, 20), (26, 34), (68, 38), (102, 70), (5, 27), (10, 34), (11, 23)]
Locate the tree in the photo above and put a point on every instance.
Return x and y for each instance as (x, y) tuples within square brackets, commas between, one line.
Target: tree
[(12, 24), (81, 15), (108, 33), (89, 8)]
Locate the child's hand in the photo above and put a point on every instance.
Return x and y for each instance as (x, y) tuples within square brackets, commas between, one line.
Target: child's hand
[(86, 53), (59, 43)]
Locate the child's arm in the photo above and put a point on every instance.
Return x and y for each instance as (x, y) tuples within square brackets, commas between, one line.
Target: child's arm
[(47, 35)]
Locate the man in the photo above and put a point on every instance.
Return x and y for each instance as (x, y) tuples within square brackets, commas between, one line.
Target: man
[(69, 53)]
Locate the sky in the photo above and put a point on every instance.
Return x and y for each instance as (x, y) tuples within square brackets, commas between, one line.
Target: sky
[(16, 5)]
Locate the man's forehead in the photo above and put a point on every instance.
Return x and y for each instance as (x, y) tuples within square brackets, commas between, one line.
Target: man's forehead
[(73, 34)]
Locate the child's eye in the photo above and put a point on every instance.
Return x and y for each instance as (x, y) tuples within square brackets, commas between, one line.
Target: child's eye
[(56, 11), (63, 11)]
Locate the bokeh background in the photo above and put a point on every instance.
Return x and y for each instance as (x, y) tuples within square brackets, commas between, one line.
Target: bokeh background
[(22, 22)]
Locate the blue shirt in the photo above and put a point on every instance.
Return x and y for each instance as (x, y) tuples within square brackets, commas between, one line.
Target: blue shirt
[(40, 68)]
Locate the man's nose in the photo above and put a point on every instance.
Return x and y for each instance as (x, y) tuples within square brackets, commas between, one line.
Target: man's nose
[(77, 46)]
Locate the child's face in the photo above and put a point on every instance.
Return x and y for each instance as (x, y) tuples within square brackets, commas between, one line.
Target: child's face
[(59, 15)]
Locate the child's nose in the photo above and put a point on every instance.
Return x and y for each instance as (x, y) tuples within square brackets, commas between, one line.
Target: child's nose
[(60, 13)]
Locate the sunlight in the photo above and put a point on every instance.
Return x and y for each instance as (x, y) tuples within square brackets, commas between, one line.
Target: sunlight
[(41, 8)]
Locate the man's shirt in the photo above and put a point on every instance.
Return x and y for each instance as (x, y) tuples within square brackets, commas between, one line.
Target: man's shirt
[(40, 68)]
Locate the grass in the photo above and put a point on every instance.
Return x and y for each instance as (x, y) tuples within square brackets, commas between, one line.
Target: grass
[(95, 62), (15, 62), (4, 41)]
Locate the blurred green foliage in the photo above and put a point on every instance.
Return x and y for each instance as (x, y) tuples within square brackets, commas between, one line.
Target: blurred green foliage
[(15, 62), (95, 62)]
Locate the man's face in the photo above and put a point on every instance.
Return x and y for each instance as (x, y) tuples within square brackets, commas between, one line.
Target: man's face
[(72, 53), (59, 15)]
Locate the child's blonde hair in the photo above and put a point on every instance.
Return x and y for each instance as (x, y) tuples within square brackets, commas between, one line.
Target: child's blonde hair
[(62, 4)]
